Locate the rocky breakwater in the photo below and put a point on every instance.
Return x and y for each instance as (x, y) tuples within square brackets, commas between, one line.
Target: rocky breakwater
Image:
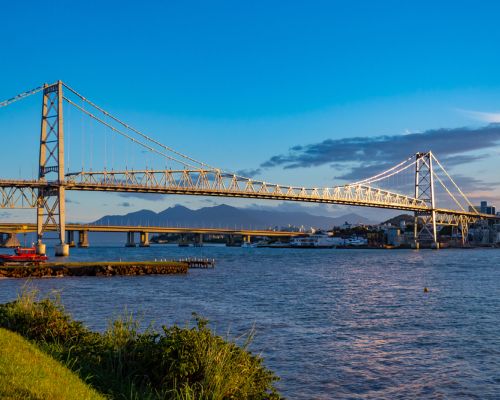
[(93, 269)]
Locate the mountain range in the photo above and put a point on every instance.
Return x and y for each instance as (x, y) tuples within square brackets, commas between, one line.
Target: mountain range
[(229, 217)]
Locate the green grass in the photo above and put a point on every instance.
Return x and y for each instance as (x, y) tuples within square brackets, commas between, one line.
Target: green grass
[(28, 373), (127, 362)]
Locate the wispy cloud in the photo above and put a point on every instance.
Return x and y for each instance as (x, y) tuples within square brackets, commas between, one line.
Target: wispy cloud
[(249, 173), (143, 196), (490, 117), (72, 201)]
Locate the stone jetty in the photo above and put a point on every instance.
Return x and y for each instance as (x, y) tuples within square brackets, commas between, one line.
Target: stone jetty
[(103, 268)]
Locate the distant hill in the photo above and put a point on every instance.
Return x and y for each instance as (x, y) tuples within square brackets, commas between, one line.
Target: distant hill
[(229, 217), (396, 221)]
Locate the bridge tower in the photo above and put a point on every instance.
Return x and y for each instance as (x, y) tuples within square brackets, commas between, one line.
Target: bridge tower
[(425, 229), (51, 199)]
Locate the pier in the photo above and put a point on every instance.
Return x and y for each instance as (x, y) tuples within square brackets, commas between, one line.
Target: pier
[(104, 268), (199, 262)]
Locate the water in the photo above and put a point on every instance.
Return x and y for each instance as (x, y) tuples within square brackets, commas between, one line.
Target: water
[(347, 324)]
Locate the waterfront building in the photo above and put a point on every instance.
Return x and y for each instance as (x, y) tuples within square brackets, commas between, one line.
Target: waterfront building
[(483, 208), (394, 237)]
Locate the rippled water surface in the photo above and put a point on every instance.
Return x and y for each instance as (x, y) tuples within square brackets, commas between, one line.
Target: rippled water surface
[(331, 323)]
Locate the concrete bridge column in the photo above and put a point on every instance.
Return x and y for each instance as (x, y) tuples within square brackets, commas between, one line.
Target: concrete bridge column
[(41, 249), (229, 240), (83, 239), (70, 238), (130, 239), (247, 239), (144, 239), (62, 250), (183, 241), (2, 240), (198, 241)]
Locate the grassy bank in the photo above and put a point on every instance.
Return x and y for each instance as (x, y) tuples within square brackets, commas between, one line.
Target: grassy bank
[(126, 362), (28, 373)]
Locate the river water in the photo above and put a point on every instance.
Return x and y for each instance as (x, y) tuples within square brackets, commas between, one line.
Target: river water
[(346, 324)]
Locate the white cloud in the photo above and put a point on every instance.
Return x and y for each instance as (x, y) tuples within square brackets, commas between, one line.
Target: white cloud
[(490, 117)]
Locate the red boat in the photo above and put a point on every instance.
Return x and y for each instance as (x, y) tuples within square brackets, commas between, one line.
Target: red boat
[(22, 255)]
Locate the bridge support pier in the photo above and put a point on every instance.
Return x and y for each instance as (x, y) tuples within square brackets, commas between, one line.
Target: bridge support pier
[(41, 249), (144, 239), (62, 250), (183, 241), (198, 240), (83, 239), (130, 239), (70, 238)]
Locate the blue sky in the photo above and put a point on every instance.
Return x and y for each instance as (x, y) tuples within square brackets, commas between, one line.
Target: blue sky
[(237, 84)]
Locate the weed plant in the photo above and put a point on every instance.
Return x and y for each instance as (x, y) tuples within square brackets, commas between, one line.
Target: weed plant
[(126, 362)]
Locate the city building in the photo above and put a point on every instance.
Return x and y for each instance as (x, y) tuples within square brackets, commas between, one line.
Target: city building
[(484, 208)]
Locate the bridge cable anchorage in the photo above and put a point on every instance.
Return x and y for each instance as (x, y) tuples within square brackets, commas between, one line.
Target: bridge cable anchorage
[(21, 96), (127, 126), (456, 186)]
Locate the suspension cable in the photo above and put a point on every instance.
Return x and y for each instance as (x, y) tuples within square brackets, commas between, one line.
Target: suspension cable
[(21, 96), (456, 186), (392, 174), (447, 191), (368, 180), (128, 136), (136, 131), (185, 163)]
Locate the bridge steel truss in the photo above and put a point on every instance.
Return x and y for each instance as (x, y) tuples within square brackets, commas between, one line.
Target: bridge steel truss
[(14, 195), (216, 183)]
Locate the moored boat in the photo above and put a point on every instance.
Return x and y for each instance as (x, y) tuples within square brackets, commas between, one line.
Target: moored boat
[(23, 255), (317, 240)]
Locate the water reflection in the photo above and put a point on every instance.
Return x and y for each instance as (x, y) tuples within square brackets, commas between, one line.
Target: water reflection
[(332, 324)]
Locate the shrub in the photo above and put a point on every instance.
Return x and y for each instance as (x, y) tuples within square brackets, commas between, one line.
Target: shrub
[(127, 363), (43, 320)]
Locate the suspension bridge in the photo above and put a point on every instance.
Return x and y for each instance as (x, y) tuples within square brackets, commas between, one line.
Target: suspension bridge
[(47, 192)]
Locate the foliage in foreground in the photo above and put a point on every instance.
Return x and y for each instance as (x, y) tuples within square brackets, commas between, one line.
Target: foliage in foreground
[(28, 373), (125, 363)]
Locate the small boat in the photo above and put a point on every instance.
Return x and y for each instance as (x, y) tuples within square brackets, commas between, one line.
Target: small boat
[(317, 240), (23, 255)]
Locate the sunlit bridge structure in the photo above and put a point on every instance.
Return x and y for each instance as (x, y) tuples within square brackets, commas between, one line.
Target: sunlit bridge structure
[(188, 176)]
